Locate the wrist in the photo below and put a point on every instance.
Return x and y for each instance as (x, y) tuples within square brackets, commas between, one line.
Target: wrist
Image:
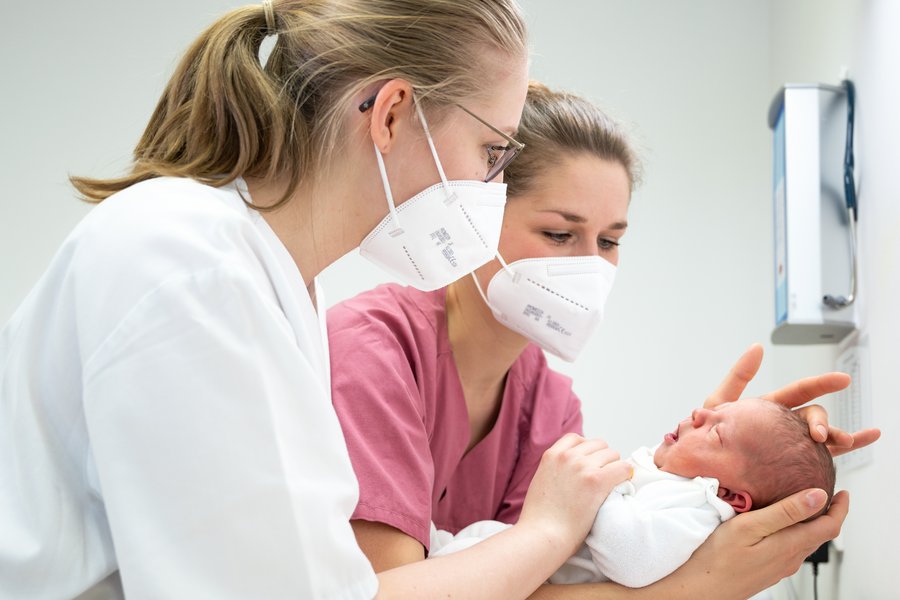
[(550, 535)]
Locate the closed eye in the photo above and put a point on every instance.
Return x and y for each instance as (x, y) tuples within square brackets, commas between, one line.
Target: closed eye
[(715, 429)]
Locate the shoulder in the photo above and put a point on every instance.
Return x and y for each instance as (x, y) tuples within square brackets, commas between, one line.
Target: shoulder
[(542, 388), (533, 374), (162, 234), (389, 311), (167, 210)]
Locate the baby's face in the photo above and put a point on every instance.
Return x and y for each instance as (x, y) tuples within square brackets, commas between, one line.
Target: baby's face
[(717, 443)]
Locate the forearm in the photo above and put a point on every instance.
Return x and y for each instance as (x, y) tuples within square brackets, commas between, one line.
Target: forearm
[(584, 591), (687, 586), (509, 565)]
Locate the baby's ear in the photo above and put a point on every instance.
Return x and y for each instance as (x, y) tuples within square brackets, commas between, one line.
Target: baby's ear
[(739, 501)]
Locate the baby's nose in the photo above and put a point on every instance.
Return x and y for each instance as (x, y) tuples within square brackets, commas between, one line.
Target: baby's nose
[(699, 416)]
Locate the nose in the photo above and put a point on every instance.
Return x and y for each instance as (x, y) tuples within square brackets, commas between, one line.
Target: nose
[(699, 416), (587, 247)]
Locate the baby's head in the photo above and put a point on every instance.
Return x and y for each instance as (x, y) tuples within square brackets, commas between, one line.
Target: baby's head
[(759, 451)]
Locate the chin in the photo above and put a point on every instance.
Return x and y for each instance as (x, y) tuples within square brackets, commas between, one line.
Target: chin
[(659, 456)]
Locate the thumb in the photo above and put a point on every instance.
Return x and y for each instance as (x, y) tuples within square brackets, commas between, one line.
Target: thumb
[(738, 377), (793, 509)]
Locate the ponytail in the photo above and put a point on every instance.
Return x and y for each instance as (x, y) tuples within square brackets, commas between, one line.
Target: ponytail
[(220, 117), (223, 115)]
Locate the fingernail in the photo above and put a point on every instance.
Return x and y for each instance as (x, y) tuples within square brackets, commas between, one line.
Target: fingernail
[(821, 429), (631, 473), (815, 498)]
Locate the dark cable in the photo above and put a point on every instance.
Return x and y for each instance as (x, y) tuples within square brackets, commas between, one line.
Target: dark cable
[(849, 180), (815, 566)]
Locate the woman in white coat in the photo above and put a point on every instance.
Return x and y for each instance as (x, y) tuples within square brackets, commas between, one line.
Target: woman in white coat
[(166, 429)]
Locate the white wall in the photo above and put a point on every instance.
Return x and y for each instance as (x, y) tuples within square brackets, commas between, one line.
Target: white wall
[(693, 78), (861, 35), (80, 80), (814, 40)]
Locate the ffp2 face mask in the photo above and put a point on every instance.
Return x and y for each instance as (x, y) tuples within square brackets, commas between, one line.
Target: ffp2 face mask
[(441, 233), (555, 301)]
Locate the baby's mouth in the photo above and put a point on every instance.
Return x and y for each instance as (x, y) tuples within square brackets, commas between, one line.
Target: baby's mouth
[(673, 437)]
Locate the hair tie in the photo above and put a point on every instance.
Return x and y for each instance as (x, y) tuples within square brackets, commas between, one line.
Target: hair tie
[(269, 10)]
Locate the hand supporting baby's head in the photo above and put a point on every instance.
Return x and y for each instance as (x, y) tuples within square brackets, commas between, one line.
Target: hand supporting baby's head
[(759, 451), (789, 460)]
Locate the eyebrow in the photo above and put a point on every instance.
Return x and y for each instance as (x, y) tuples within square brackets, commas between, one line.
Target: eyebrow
[(573, 218)]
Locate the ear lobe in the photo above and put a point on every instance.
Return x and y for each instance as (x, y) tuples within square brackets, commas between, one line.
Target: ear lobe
[(740, 501), (392, 105)]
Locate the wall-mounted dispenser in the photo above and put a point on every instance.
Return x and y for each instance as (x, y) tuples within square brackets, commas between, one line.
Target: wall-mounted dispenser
[(815, 213)]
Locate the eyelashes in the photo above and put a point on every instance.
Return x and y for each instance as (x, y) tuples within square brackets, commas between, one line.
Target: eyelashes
[(561, 237)]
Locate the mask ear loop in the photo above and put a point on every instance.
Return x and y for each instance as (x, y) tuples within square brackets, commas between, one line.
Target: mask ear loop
[(397, 230), (510, 272), (480, 291), (450, 194)]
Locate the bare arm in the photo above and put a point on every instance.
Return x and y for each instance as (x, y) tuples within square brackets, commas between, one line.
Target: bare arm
[(386, 547), (573, 479)]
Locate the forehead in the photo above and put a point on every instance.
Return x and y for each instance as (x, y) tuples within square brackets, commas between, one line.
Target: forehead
[(750, 421), (502, 96), (587, 183)]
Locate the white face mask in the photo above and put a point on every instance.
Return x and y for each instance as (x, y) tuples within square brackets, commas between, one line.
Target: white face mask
[(556, 302), (441, 233)]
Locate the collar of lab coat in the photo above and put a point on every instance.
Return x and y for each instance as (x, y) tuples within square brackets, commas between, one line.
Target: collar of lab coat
[(307, 322)]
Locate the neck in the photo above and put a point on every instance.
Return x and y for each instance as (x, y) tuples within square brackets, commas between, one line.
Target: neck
[(483, 349), (316, 226)]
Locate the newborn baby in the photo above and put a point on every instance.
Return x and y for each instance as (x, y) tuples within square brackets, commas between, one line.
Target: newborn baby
[(716, 463)]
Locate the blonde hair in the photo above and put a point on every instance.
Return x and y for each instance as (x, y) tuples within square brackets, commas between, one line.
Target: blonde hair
[(556, 125), (223, 115)]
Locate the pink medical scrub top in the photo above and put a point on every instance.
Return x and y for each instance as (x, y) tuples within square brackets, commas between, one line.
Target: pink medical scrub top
[(398, 397)]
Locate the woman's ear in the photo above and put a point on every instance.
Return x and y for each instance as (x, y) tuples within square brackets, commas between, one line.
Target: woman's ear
[(740, 501), (392, 110)]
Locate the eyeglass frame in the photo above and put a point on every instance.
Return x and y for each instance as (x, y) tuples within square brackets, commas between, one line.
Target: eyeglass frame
[(512, 151)]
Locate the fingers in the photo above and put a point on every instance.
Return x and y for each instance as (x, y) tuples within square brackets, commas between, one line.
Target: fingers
[(860, 439), (614, 473), (738, 377), (592, 454), (576, 445), (839, 440), (817, 419), (762, 523), (570, 440), (810, 388), (809, 536)]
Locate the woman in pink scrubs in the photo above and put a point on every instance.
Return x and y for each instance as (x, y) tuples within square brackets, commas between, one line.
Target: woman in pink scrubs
[(465, 406)]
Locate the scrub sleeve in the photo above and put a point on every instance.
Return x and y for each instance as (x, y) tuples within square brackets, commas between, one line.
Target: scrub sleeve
[(397, 394)]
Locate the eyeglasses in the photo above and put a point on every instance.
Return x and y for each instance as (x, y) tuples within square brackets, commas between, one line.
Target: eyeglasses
[(499, 157)]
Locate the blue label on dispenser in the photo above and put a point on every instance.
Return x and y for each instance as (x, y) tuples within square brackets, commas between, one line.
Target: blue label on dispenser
[(778, 193)]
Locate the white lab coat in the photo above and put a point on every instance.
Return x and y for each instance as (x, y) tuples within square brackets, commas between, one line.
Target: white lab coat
[(165, 413)]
